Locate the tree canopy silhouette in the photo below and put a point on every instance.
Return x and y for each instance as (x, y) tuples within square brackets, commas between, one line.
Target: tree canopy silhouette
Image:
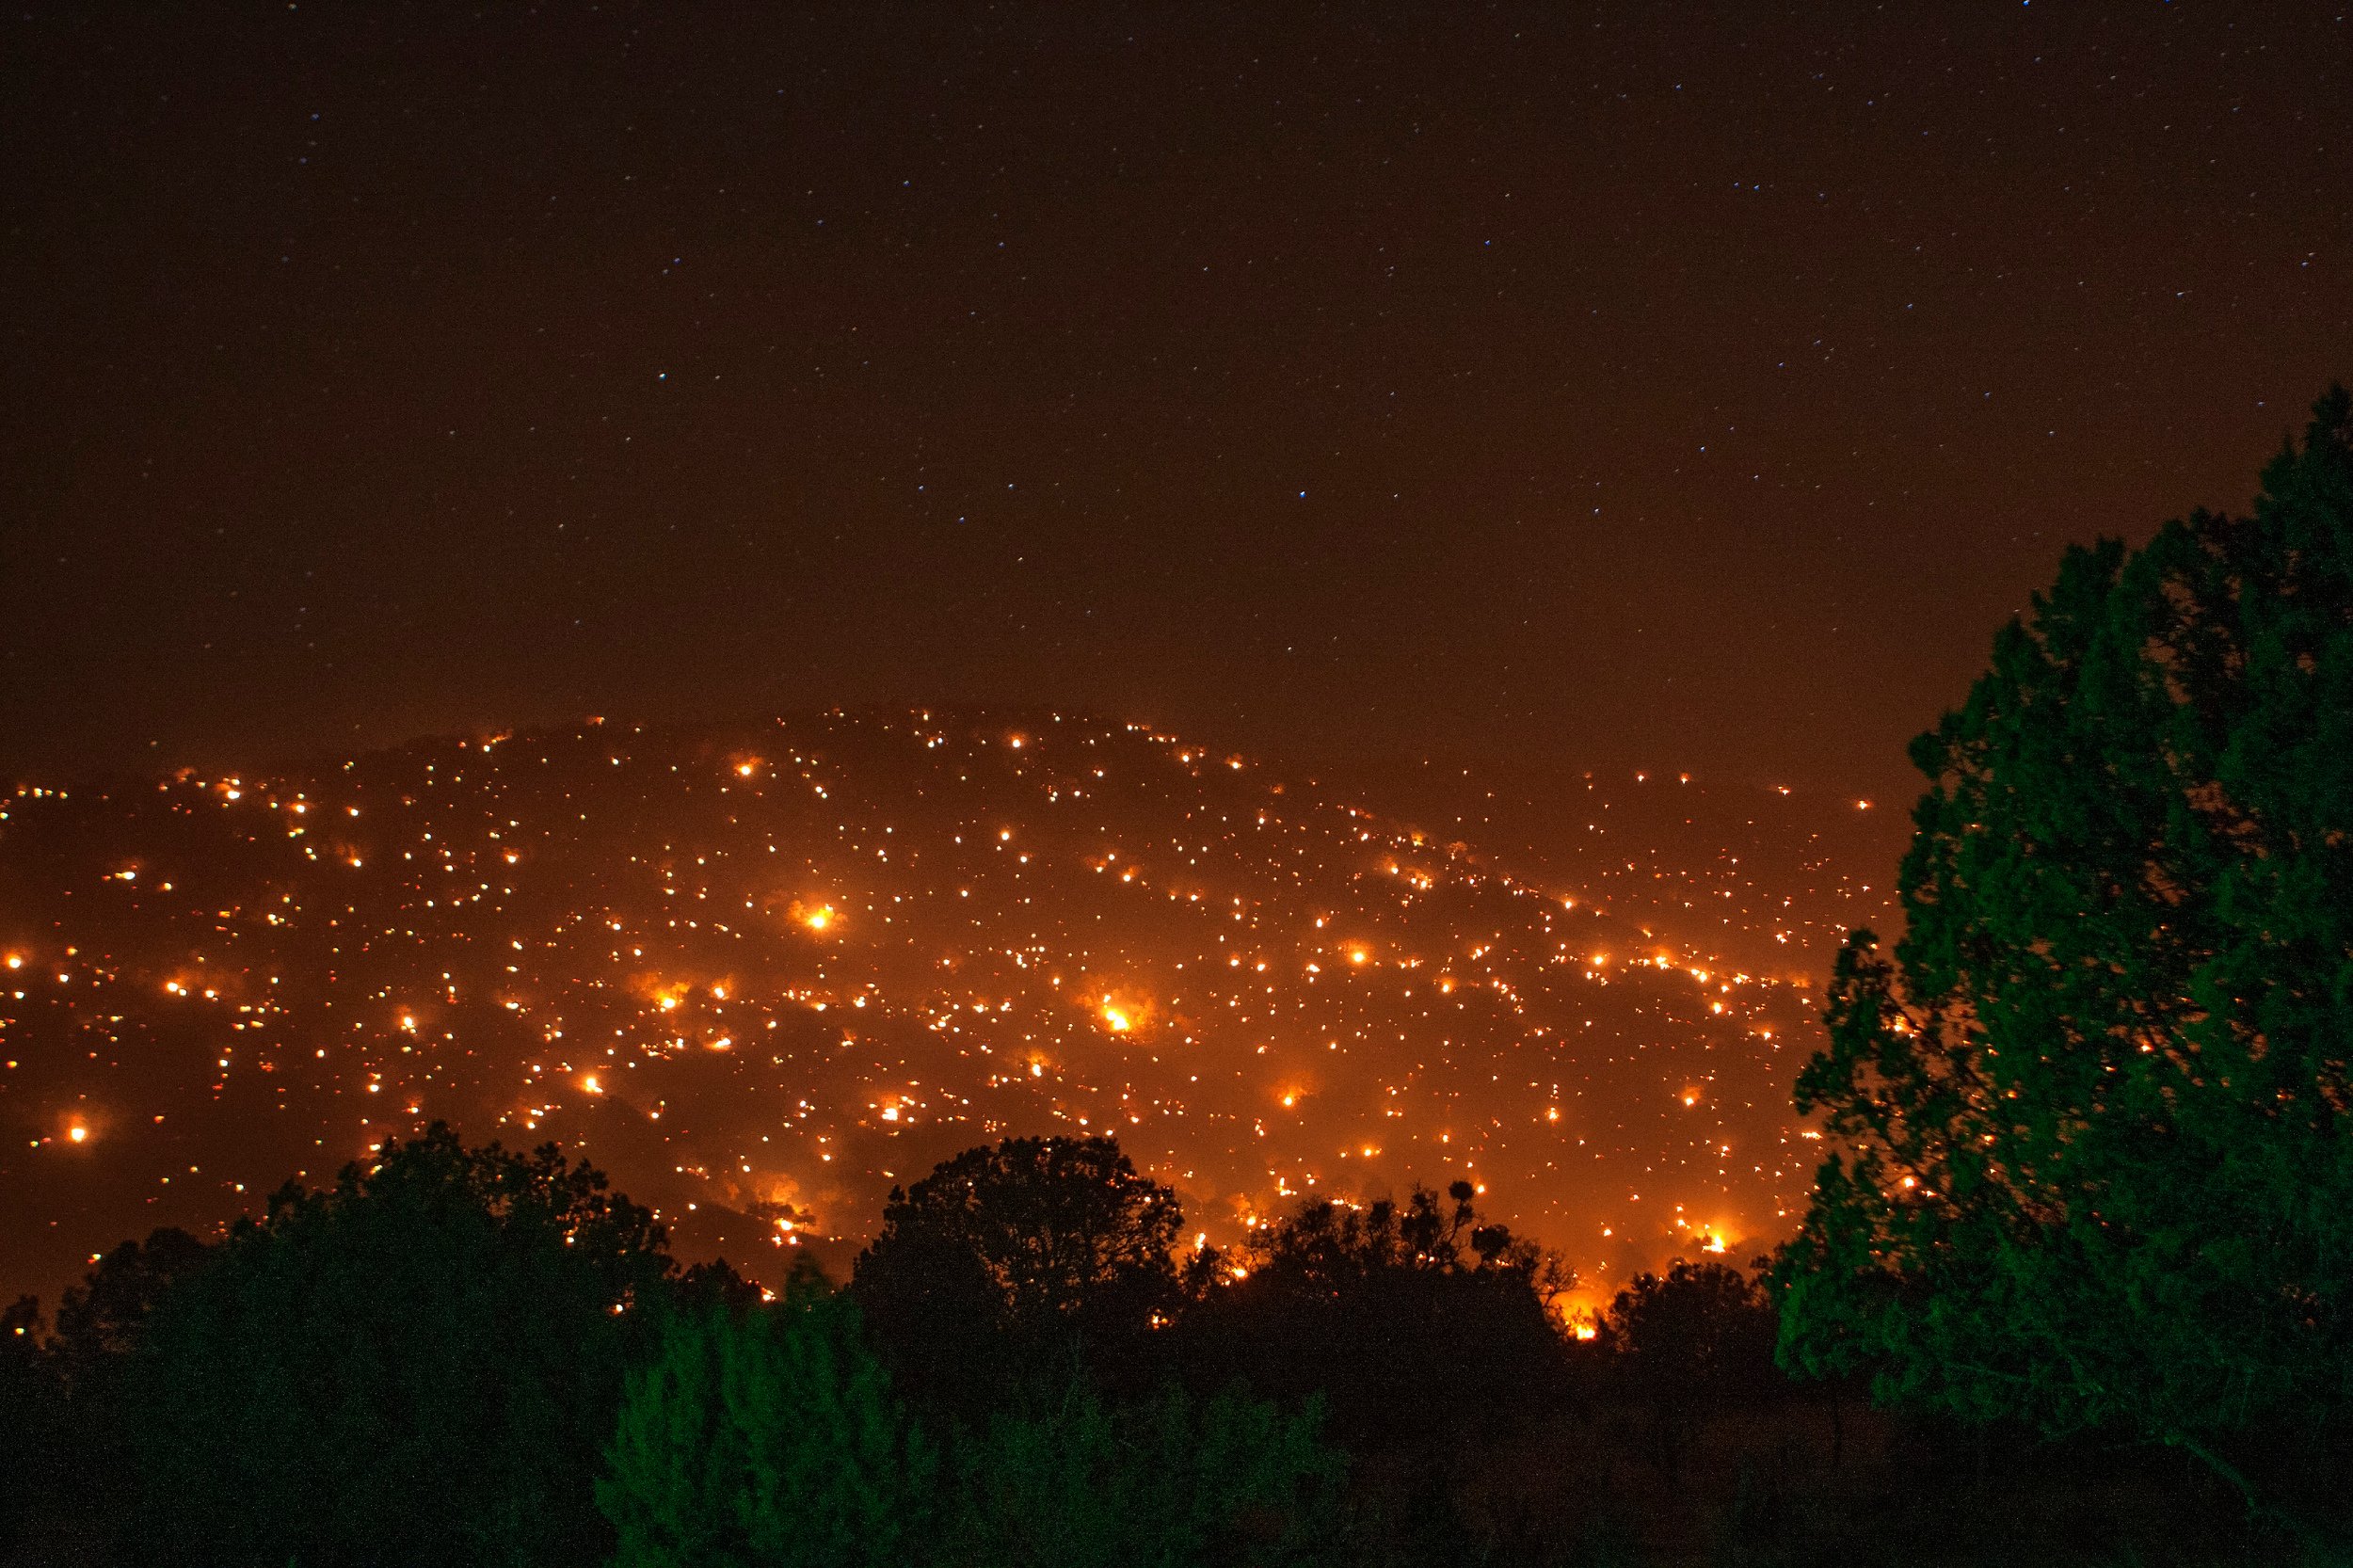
[(1697, 1336), (1420, 1323), (2095, 1103), (31, 1416), (1013, 1262), (419, 1364), (98, 1320)]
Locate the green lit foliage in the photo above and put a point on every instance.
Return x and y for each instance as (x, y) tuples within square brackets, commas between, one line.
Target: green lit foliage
[(767, 1435), (2095, 1101), (1167, 1484), (1008, 1266), (417, 1365)]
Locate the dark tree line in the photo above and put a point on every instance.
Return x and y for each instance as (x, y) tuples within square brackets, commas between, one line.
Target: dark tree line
[(476, 1355), (479, 1355)]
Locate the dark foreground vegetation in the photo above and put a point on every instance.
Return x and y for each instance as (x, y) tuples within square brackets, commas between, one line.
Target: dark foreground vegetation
[(2077, 1287), (462, 1355)]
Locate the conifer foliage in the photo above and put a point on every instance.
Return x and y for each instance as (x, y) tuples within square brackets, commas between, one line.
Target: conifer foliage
[(766, 1434), (2095, 1102)]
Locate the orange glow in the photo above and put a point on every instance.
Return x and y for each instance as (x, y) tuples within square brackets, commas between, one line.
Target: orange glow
[(1174, 1009), (1121, 1011)]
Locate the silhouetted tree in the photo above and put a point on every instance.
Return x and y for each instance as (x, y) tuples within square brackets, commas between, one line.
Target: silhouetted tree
[(31, 1426), (713, 1284), (1422, 1324), (1695, 1338), (420, 1364), (1013, 1264), (2095, 1106), (81, 1453), (1167, 1484), (98, 1321), (768, 1434)]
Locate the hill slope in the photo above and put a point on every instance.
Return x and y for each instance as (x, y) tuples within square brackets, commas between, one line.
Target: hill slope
[(762, 975)]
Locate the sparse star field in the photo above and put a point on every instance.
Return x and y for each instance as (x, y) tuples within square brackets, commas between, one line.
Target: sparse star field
[(1562, 384)]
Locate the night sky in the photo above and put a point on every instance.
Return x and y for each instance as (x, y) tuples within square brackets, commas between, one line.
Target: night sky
[(1529, 386)]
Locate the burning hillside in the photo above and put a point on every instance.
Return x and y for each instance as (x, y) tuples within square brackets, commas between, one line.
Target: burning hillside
[(762, 975)]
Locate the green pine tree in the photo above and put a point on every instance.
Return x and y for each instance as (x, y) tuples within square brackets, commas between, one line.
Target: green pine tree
[(2095, 1102), (767, 1435)]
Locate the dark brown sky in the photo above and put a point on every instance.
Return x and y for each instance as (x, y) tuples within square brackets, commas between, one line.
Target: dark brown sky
[(1524, 384)]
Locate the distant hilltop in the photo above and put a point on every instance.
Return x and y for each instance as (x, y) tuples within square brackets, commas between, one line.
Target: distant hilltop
[(761, 974)]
